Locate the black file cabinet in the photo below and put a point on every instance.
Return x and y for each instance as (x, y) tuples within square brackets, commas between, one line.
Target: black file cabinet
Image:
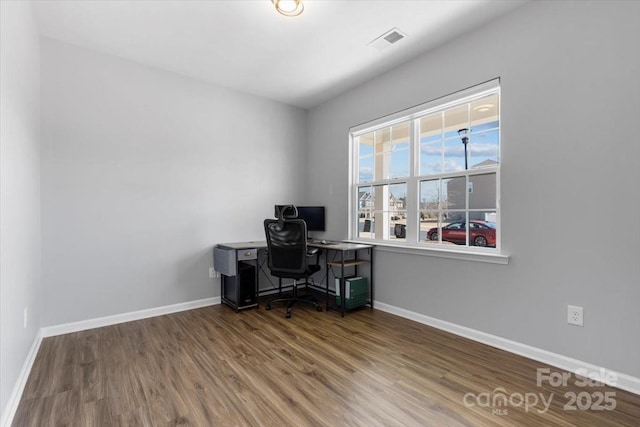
[(238, 267)]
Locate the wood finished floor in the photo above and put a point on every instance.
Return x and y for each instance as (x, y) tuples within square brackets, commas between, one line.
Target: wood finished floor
[(215, 367)]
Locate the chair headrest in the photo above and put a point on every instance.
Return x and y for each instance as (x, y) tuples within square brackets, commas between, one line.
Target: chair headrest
[(287, 212)]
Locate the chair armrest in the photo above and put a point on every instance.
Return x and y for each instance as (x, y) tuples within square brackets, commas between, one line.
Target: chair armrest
[(314, 251)]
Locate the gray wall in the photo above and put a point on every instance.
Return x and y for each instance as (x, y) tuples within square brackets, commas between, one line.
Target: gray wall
[(20, 244), (570, 152), (143, 172)]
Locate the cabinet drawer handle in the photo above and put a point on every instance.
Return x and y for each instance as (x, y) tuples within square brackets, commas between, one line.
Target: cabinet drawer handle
[(247, 254)]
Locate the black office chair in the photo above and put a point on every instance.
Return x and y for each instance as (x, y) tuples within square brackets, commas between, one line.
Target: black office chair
[(288, 255)]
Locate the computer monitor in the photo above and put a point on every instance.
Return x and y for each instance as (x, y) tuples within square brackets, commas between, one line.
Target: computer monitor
[(312, 215)]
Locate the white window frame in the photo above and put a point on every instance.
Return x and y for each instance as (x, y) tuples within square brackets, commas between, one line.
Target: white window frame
[(412, 245)]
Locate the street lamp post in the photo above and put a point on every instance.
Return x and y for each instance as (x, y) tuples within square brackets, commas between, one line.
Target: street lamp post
[(464, 134)]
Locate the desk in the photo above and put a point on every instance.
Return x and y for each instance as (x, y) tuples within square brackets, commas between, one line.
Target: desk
[(231, 259)]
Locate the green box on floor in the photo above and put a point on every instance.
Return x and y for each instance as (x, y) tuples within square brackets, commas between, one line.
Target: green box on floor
[(356, 291)]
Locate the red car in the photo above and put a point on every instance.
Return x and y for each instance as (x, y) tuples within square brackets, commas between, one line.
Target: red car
[(481, 233)]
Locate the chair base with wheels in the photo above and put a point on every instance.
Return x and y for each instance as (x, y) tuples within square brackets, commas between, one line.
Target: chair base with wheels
[(307, 299)]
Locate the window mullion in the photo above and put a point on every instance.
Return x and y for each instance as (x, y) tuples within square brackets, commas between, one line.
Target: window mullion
[(412, 218)]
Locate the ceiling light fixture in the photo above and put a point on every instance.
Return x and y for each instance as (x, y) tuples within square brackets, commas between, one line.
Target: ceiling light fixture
[(483, 108), (288, 7)]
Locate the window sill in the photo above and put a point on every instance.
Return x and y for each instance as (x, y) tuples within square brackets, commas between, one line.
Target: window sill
[(466, 255)]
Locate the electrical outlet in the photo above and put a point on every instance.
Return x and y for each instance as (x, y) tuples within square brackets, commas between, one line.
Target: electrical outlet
[(212, 273), (574, 315)]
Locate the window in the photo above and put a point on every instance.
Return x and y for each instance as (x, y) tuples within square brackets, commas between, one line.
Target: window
[(429, 177)]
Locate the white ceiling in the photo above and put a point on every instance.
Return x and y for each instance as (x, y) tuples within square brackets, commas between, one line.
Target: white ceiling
[(246, 45)]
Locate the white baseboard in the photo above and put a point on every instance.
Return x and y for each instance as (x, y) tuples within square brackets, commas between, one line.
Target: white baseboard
[(12, 405), (99, 322), (622, 381)]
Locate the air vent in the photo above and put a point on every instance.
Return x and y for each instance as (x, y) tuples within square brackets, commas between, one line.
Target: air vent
[(387, 39)]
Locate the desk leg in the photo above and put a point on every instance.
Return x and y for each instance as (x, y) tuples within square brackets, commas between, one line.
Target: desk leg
[(343, 297), (238, 286), (371, 274), (256, 280), (326, 280)]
